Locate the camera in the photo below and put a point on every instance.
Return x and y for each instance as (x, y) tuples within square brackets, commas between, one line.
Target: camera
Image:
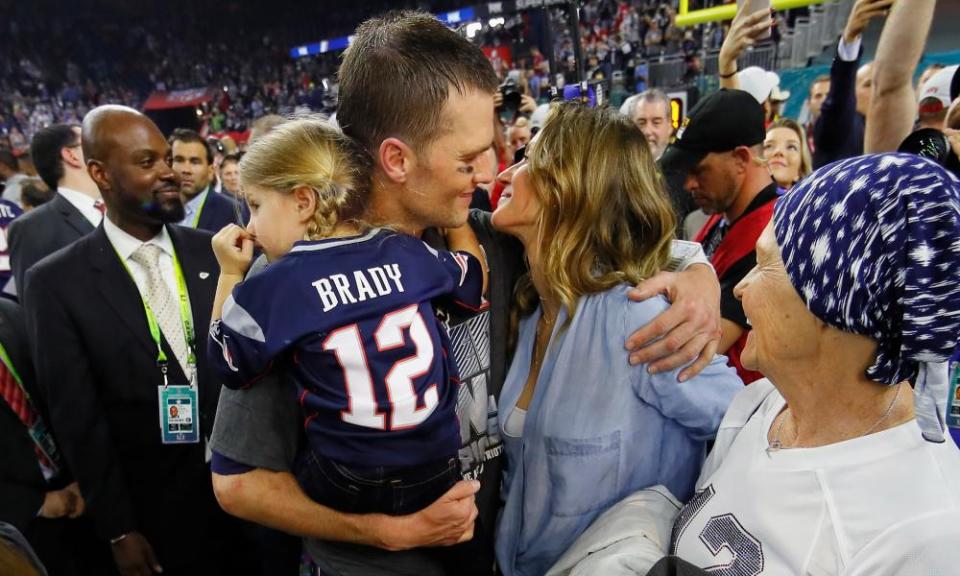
[(933, 144), (511, 99)]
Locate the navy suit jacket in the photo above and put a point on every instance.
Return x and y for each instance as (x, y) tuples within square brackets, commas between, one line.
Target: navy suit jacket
[(218, 211), (838, 132)]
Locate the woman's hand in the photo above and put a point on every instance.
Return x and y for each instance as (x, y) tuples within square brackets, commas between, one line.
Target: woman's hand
[(688, 330), (747, 29), (233, 247)]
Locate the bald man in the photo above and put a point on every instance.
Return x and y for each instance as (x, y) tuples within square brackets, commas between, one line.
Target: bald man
[(133, 405)]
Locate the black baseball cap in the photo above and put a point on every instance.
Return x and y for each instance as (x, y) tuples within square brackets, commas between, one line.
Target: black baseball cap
[(718, 123)]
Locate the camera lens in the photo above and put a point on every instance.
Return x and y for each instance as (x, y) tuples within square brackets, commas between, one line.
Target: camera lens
[(928, 143)]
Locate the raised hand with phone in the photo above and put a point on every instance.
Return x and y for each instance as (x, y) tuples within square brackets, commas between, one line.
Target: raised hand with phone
[(864, 11), (750, 26)]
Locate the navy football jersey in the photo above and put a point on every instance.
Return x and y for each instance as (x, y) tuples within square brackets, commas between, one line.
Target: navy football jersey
[(351, 320), (8, 211)]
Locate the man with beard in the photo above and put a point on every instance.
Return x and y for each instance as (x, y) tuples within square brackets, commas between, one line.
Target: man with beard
[(113, 322), (719, 149), (428, 122)]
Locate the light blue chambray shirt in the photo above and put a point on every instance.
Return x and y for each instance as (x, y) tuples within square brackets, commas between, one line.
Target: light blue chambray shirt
[(191, 207), (597, 429)]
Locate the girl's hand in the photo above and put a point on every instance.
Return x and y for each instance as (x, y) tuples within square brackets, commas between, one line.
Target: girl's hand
[(233, 247)]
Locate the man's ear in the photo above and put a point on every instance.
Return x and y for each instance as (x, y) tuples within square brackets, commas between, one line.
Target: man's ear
[(305, 199), (70, 156), (743, 154), (99, 175), (396, 159)]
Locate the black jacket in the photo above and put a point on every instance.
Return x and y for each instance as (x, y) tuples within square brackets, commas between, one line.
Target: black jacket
[(96, 366), (22, 486), (838, 132), (218, 211), (41, 232)]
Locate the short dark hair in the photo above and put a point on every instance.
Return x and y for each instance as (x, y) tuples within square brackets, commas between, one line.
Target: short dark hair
[(45, 150), (188, 136), (396, 77), (33, 192)]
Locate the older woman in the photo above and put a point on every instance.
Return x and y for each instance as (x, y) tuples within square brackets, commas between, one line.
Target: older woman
[(834, 465), (785, 149), (582, 428)]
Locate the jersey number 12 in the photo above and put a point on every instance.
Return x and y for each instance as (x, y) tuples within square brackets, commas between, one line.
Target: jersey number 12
[(347, 344)]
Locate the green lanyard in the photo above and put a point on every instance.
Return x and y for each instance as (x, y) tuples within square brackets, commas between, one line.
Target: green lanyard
[(196, 218), (185, 317)]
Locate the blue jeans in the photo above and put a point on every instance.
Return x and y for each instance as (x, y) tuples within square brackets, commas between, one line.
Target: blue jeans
[(384, 490), (393, 491)]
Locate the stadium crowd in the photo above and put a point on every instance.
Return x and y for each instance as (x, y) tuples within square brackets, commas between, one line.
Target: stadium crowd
[(458, 325), (56, 69)]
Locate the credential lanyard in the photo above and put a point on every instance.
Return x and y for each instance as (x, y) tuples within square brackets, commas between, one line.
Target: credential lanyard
[(13, 372), (38, 432), (186, 320), (196, 217)]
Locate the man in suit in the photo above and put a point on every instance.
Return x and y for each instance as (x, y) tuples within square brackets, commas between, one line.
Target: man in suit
[(129, 392), (205, 209), (75, 210), (37, 493)]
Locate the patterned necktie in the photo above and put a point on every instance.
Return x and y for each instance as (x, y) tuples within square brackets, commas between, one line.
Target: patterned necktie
[(17, 400), (162, 303), (100, 207)]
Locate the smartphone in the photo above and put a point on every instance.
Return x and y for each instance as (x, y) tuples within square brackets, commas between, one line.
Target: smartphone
[(756, 5)]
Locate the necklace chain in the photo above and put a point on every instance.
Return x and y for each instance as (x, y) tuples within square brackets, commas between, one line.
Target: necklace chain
[(776, 444), (539, 350)]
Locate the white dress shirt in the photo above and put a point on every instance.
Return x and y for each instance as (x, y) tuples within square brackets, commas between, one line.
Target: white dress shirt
[(126, 245), (849, 52), (83, 203)]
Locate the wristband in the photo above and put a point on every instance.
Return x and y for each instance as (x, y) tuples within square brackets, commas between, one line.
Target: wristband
[(730, 75), (119, 539)]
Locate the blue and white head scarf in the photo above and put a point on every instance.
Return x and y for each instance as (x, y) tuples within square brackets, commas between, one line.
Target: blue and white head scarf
[(872, 244)]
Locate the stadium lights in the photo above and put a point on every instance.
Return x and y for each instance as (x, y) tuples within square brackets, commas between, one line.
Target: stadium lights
[(494, 22), (473, 28)]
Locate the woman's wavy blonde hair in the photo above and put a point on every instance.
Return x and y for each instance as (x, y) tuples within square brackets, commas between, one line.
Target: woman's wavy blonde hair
[(310, 152), (605, 217)]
